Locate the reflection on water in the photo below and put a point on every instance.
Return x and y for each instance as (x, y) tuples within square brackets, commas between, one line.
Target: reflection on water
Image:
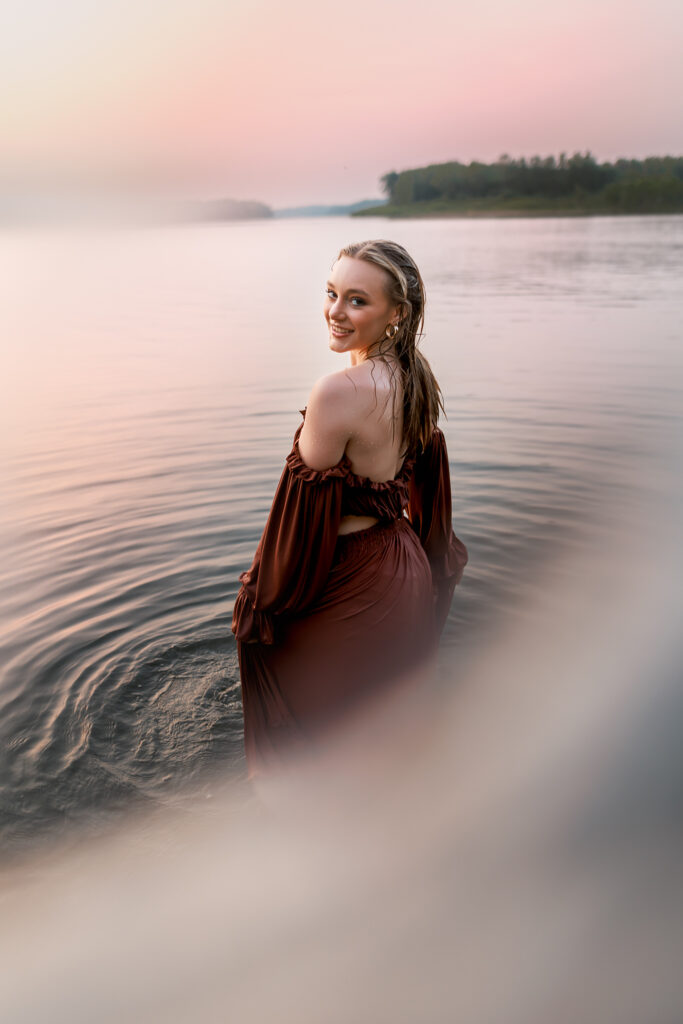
[(507, 854), (151, 392)]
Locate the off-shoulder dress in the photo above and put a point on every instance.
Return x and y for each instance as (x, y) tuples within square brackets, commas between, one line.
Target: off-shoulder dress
[(323, 619)]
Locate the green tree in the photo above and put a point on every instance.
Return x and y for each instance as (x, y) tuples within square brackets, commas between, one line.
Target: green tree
[(388, 183)]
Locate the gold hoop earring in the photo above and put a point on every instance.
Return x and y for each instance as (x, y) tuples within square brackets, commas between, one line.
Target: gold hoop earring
[(391, 331)]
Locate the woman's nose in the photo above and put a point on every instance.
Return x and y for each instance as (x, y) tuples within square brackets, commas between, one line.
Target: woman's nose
[(336, 309)]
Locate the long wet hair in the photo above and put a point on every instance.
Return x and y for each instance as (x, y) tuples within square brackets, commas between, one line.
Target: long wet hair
[(422, 397)]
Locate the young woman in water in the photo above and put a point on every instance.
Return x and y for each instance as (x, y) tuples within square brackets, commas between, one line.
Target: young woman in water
[(353, 576)]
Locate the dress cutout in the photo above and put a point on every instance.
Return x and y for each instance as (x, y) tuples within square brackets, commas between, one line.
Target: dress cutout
[(322, 620)]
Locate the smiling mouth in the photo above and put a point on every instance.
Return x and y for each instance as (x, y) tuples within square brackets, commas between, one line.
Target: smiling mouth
[(340, 330)]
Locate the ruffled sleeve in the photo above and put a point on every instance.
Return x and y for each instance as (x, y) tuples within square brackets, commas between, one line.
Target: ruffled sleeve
[(295, 552), (429, 509)]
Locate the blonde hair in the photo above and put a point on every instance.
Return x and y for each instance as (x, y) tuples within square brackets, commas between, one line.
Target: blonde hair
[(422, 397)]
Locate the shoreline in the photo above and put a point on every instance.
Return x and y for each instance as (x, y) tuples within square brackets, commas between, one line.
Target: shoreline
[(416, 211)]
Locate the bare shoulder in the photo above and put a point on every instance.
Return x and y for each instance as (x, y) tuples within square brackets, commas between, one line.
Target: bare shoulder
[(329, 421), (334, 391), (344, 396), (338, 411)]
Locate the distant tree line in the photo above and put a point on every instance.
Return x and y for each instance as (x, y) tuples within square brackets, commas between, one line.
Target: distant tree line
[(627, 185)]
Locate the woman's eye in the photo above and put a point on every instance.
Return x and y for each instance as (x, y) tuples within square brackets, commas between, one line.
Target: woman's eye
[(355, 301)]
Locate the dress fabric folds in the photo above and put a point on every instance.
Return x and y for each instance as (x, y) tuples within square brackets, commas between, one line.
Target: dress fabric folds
[(323, 620)]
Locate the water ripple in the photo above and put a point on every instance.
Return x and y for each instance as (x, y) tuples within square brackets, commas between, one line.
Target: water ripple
[(138, 470)]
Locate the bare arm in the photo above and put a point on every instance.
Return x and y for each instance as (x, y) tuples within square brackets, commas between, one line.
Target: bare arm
[(329, 421)]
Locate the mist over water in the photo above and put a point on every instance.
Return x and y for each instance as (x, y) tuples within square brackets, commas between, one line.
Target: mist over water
[(506, 853), (150, 394)]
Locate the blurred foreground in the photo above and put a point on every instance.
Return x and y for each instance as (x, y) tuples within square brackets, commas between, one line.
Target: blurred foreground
[(510, 853)]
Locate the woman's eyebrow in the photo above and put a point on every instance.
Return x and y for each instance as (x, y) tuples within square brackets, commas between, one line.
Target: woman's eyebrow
[(356, 291)]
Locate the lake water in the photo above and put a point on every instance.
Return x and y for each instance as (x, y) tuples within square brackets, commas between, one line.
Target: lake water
[(150, 387)]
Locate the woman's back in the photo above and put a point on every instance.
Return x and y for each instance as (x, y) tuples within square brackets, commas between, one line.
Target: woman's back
[(376, 448), (365, 405)]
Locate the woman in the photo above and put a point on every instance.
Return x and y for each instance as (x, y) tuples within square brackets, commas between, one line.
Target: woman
[(353, 576)]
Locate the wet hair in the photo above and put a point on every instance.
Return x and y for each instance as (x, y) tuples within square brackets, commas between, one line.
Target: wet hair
[(422, 397)]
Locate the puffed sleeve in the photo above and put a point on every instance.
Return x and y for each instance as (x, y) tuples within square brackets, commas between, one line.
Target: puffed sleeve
[(429, 510), (295, 552)]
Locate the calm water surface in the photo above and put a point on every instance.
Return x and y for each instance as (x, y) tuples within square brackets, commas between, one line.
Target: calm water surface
[(150, 388)]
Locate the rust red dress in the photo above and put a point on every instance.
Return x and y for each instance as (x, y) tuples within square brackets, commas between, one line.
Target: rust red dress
[(322, 620)]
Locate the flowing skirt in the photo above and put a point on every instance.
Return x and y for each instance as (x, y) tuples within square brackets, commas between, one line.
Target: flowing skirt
[(370, 629)]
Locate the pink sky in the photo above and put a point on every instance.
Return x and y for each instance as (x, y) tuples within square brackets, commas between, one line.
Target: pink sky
[(302, 102)]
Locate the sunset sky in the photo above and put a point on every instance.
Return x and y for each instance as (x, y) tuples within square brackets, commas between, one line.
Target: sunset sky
[(310, 102)]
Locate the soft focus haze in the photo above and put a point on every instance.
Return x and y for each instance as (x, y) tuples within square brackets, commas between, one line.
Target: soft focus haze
[(304, 102), (510, 858)]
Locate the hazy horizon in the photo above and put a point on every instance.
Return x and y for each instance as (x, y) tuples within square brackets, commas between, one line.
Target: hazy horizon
[(293, 106)]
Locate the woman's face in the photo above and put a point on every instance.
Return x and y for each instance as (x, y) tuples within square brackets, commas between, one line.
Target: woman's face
[(357, 306)]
